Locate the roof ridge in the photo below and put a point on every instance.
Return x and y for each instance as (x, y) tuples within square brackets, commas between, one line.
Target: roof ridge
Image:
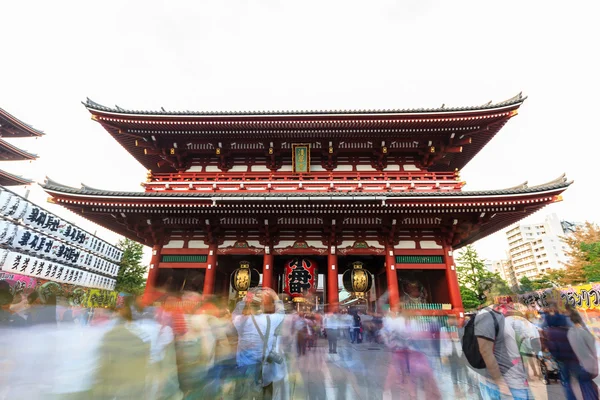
[(519, 98), (561, 179), (51, 182)]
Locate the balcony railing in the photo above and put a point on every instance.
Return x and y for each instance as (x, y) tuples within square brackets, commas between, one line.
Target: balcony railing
[(315, 182), (312, 176)]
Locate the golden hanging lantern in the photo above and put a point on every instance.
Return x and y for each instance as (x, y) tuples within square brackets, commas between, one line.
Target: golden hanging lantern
[(244, 278), (357, 280)]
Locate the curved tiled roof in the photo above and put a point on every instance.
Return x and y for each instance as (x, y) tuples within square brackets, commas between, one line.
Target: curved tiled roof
[(559, 183), (16, 152), (24, 130), (92, 105), (8, 179)]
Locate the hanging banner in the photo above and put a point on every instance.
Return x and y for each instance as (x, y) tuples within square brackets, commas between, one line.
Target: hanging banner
[(300, 277), (18, 283), (583, 297), (101, 298)]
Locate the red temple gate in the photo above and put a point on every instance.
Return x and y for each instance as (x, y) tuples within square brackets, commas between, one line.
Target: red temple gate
[(380, 187)]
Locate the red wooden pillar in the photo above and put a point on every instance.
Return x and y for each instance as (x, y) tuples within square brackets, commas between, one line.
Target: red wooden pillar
[(152, 274), (267, 280), (392, 278), (211, 265), (333, 297), (452, 280)]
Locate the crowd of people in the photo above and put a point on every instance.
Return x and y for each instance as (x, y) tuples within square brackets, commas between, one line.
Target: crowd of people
[(186, 346)]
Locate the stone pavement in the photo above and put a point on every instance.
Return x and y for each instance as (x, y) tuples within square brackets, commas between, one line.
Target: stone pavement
[(364, 371)]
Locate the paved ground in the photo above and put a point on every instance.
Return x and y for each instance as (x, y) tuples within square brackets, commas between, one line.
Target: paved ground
[(364, 371)]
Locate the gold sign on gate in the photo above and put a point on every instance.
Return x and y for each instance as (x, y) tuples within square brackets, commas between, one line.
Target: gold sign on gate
[(301, 158)]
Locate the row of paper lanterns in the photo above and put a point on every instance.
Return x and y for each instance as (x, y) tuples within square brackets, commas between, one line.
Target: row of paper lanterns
[(18, 208), (27, 240), (25, 264)]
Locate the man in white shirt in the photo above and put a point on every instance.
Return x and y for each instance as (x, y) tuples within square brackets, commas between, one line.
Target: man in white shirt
[(331, 328)]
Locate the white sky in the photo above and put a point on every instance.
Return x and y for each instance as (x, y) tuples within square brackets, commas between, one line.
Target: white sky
[(277, 55)]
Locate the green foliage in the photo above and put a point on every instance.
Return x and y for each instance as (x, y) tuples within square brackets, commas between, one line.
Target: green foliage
[(476, 282), (592, 257), (469, 298), (131, 273), (584, 255), (525, 285), (551, 279)]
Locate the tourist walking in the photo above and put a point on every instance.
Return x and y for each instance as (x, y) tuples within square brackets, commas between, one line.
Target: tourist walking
[(259, 364), (504, 373), (331, 323)]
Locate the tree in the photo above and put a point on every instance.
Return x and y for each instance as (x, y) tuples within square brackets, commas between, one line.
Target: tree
[(552, 279), (584, 253), (525, 285), (477, 284), (469, 298), (131, 272), (555, 278)]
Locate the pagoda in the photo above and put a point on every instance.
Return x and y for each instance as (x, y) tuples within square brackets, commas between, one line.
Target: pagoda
[(11, 127), (379, 188)]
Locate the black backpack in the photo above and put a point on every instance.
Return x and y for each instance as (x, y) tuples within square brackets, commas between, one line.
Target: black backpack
[(470, 346)]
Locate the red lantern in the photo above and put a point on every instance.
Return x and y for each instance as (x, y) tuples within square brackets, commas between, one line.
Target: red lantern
[(300, 277)]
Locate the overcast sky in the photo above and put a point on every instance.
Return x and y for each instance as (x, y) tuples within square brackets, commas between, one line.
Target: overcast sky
[(297, 55)]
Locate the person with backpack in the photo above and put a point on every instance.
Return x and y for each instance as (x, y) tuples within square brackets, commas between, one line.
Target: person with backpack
[(490, 347)]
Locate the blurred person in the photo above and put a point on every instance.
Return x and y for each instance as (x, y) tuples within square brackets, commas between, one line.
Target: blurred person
[(355, 335), (346, 323), (331, 323), (42, 312), (9, 318), (555, 338), (409, 369), (451, 349), (584, 346), (124, 363), (301, 333), (504, 374), (368, 327), (195, 348), (20, 305), (162, 380), (77, 350), (257, 319), (225, 351), (528, 338)]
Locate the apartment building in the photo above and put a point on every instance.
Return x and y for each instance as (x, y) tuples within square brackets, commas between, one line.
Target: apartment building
[(534, 249), (505, 269)]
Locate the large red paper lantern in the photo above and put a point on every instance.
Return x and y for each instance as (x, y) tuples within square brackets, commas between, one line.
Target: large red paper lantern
[(300, 277)]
